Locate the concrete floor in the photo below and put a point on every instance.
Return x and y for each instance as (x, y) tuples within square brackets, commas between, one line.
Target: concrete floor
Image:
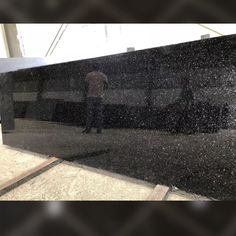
[(13, 163), (65, 182), (68, 181)]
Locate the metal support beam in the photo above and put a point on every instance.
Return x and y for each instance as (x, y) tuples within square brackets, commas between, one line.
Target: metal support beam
[(12, 41), (210, 29), (56, 39)]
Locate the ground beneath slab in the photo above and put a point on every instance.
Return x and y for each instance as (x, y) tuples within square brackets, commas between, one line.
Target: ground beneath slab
[(201, 163)]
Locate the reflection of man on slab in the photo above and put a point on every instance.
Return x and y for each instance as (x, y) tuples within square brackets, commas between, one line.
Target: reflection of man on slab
[(96, 83), (186, 101)]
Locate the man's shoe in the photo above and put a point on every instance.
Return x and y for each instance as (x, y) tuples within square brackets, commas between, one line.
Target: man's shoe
[(99, 131), (86, 131)]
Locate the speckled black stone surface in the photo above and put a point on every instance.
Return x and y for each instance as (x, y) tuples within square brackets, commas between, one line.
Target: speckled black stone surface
[(169, 114)]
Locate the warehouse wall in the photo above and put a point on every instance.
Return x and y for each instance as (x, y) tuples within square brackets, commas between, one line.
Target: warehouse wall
[(4, 53)]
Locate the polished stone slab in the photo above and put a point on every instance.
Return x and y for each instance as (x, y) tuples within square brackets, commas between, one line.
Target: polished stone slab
[(169, 114)]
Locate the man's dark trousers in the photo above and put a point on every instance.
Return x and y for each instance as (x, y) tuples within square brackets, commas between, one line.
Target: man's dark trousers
[(94, 113)]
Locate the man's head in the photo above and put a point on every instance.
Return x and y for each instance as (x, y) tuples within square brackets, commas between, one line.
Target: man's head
[(95, 67)]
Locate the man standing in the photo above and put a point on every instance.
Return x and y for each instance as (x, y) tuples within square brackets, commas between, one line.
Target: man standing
[(96, 83)]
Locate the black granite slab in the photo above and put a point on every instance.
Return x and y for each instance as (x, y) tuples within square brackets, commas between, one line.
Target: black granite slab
[(169, 114)]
